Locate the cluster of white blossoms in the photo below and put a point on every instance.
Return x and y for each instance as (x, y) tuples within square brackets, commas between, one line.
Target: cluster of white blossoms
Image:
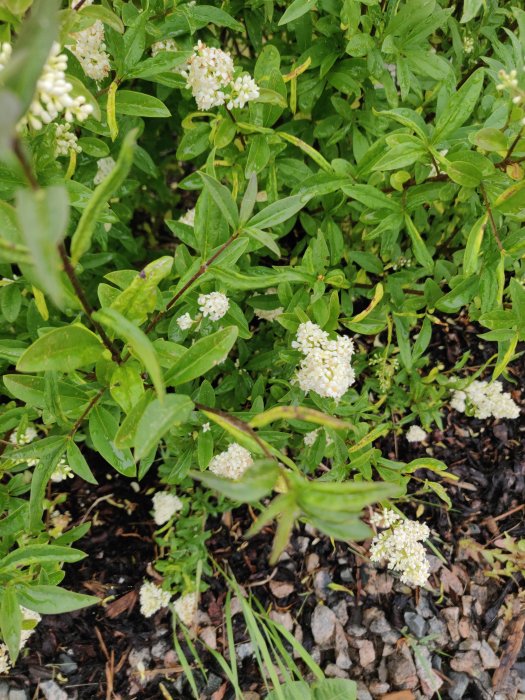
[(164, 45), (415, 434), (165, 505), (186, 607), (152, 598), (66, 140), (188, 218), (29, 434), (326, 367), (90, 50), (209, 76), (27, 616), (485, 400), (232, 463), (185, 322), (401, 546), (509, 81), (213, 305), (52, 96), (104, 167), (62, 472), (310, 438)]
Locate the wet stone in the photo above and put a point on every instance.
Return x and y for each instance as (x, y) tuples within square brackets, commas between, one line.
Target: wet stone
[(67, 665), (458, 686), (18, 694), (402, 669), (52, 691)]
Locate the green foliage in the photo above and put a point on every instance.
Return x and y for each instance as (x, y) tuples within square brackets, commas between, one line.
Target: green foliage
[(374, 187)]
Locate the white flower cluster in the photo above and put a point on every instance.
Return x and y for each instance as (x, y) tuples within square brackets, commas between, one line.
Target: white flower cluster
[(90, 50), (209, 76), (27, 616), (152, 598), (186, 608), (310, 438), (5, 54), (25, 438), (185, 322), (486, 400), (52, 96), (326, 367), (401, 546), (66, 140), (415, 434), (164, 45), (104, 167), (165, 505), (62, 472), (188, 218), (213, 305), (509, 81), (232, 463)]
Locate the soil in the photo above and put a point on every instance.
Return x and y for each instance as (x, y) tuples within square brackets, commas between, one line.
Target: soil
[(112, 651)]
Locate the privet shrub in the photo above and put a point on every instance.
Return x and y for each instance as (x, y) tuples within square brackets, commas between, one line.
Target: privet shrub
[(228, 235)]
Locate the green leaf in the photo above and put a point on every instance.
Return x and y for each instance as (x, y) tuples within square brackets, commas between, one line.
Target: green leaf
[(371, 197), (203, 355), (261, 277), (459, 107), (418, 246), (52, 600), (125, 436), (137, 340), (40, 554), (139, 104), (475, 237), (161, 63), (133, 42), (81, 240), (297, 9), (459, 296), (102, 429), (400, 156), (335, 689), (491, 139), (223, 199), (158, 419), (11, 622), (78, 464), (105, 15), (62, 349), (276, 213), (43, 215), (126, 385), (139, 299), (255, 483)]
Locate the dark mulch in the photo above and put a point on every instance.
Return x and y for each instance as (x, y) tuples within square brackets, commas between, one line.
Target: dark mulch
[(486, 457)]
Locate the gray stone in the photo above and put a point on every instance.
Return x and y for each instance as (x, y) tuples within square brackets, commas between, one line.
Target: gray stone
[(367, 653), (67, 665), (346, 575), (283, 618), (423, 607), (416, 624), (322, 579), (488, 657), (302, 544), (4, 691), (451, 616), (362, 692), (18, 694), (402, 670), (341, 647), (323, 625), (213, 684), (459, 685), (437, 629), (243, 651), (333, 671), (52, 691), (430, 681), (379, 625), (341, 612)]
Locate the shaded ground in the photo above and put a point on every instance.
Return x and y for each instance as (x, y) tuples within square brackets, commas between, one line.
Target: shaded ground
[(461, 639)]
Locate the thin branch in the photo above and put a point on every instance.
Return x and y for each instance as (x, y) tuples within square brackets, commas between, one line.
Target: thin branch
[(202, 269), (86, 411), (491, 219), (24, 163), (88, 309), (513, 145), (79, 5)]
